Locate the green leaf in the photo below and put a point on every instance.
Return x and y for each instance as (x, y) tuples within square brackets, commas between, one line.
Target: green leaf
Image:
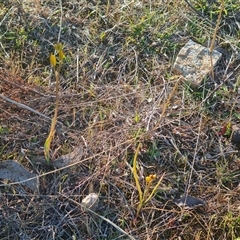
[(47, 145)]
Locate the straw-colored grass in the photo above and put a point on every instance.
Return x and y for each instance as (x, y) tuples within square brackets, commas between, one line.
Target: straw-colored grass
[(116, 90)]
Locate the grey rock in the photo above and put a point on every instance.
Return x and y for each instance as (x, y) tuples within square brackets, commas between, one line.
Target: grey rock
[(18, 174), (189, 202), (193, 62), (236, 137)]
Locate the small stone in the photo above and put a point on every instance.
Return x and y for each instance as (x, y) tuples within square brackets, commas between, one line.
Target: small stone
[(236, 137), (90, 202), (194, 63), (189, 202)]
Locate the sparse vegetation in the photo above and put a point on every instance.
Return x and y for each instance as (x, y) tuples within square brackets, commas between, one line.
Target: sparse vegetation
[(117, 89)]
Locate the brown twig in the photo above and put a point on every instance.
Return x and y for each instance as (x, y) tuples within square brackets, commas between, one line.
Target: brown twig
[(24, 107), (214, 37)]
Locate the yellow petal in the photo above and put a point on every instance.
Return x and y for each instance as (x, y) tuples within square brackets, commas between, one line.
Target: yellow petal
[(148, 179), (61, 55), (53, 60)]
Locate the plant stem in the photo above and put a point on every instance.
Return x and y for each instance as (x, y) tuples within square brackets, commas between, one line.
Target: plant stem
[(136, 178)]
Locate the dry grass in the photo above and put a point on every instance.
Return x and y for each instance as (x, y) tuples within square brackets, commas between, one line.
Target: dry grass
[(117, 90)]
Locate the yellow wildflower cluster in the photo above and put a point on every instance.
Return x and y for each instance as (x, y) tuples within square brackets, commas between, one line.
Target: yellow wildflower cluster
[(150, 178)]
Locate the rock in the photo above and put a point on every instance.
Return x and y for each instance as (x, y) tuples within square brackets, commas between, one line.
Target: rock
[(193, 62), (236, 137), (90, 202), (189, 202), (18, 174)]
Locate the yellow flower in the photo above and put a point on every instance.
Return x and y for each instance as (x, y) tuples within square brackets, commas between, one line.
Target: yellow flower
[(150, 178)]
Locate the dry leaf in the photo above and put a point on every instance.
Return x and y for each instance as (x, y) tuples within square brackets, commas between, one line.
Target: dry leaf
[(68, 159)]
